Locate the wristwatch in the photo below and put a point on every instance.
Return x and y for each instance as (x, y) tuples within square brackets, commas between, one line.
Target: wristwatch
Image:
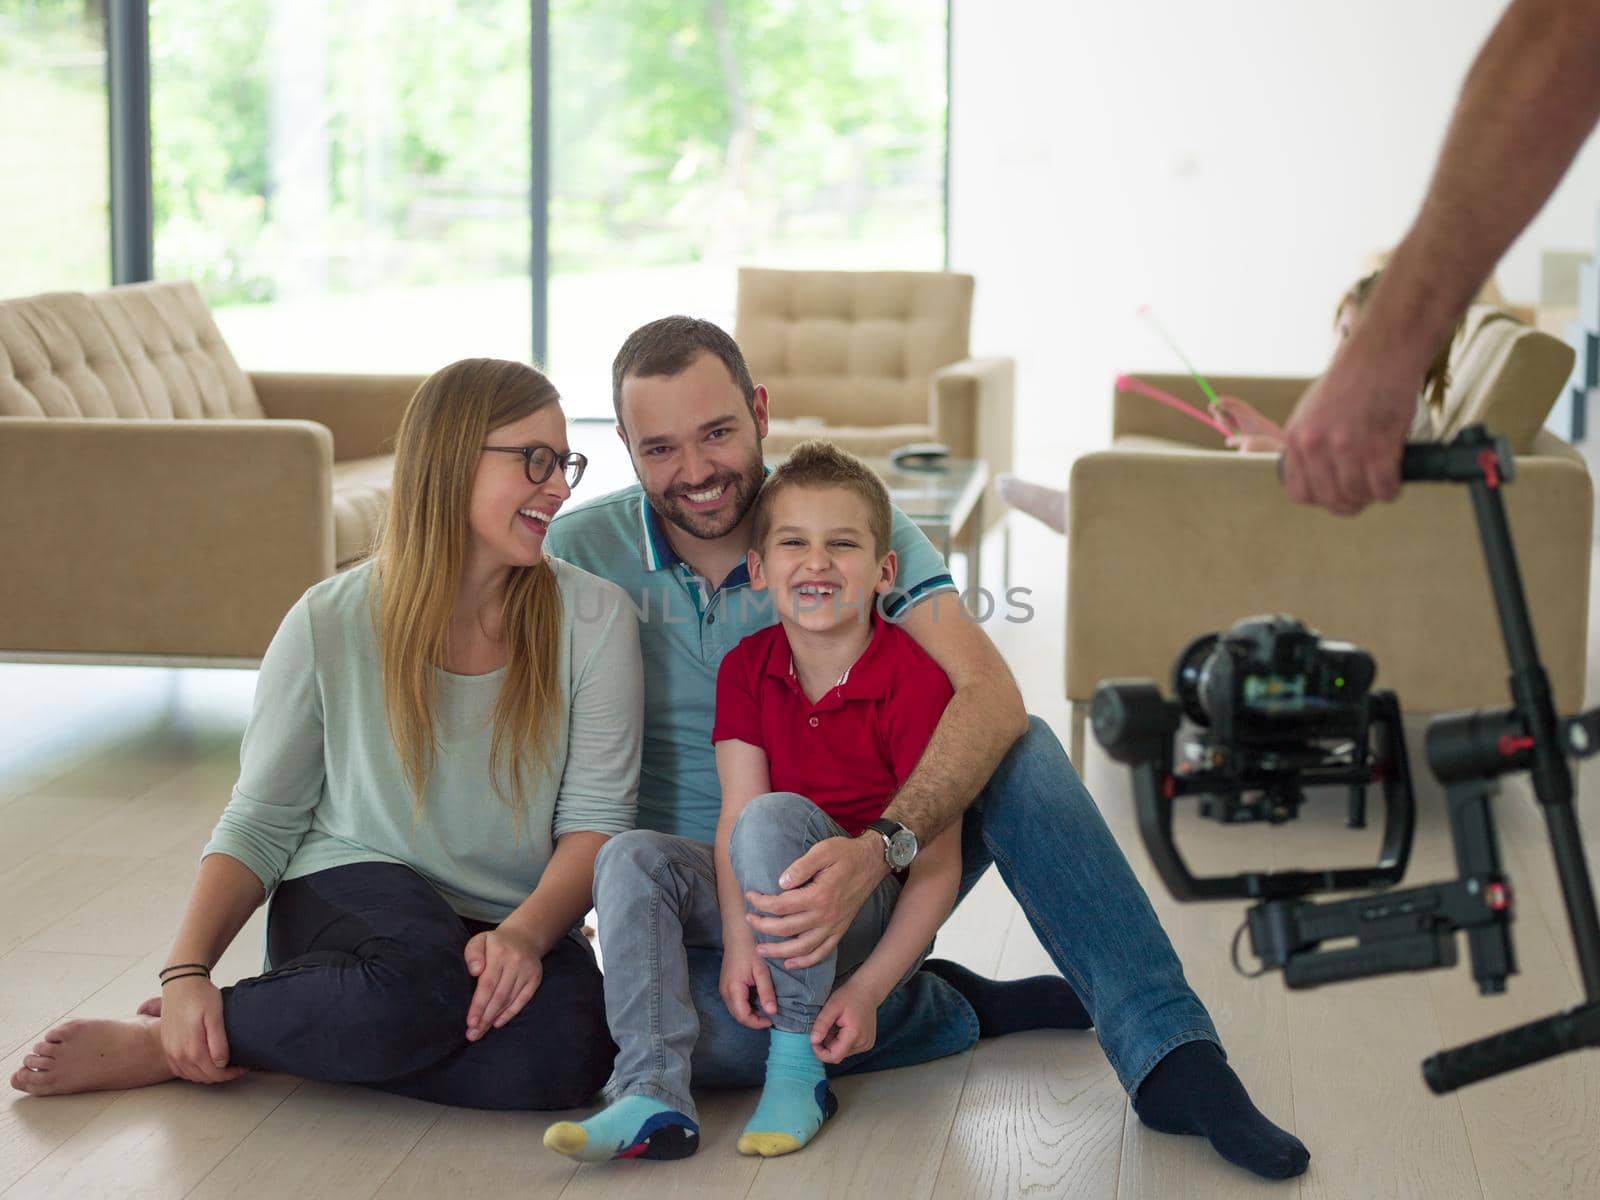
[(899, 843)]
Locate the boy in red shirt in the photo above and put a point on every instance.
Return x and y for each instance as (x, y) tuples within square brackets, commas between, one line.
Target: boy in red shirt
[(819, 720)]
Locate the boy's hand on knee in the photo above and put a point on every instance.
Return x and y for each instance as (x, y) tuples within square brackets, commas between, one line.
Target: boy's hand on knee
[(742, 971), (847, 1024), (509, 969), (824, 889)]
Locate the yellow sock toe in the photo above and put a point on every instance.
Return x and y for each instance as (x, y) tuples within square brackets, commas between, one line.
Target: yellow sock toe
[(566, 1137), (768, 1145)]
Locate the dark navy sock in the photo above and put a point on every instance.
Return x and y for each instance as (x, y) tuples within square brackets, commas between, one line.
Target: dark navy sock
[(1013, 1005), (1193, 1090)]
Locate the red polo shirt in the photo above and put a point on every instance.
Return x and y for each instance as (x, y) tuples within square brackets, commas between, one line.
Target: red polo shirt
[(849, 752)]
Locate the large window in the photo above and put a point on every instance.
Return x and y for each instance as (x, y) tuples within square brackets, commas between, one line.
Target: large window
[(54, 209), (347, 180), (352, 183), (689, 138)]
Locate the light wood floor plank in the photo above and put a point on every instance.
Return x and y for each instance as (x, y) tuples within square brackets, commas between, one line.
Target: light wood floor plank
[(178, 812), (134, 915), (1533, 1131), (168, 1137), (31, 1127), (40, 823), (1023, 1131), (324, 1141), (487, 1155), (1041, 1116), (49, 888), (1374, 1129)]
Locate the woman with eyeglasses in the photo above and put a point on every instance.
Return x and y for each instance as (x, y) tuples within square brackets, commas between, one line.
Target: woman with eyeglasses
[(442, 738)]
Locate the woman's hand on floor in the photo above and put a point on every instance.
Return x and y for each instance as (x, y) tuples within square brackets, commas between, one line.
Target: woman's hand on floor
[(509, 968), (192, 1034)]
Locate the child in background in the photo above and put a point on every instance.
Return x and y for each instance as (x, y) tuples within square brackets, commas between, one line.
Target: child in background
[(819, 720), (1252, 430)]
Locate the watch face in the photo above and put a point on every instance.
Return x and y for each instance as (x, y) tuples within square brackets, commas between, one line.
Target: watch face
[(902, 848)]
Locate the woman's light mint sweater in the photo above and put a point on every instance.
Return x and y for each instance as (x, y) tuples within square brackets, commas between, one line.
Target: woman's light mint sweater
[(320, 782)]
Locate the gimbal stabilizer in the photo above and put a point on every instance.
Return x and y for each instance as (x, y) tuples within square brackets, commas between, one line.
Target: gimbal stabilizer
[(1411, 929)]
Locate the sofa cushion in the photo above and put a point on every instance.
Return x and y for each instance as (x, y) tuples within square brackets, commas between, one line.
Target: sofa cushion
[(58, 359), (1505, 375), (852, 347), (361, 489), (173, 347), (145, 350)]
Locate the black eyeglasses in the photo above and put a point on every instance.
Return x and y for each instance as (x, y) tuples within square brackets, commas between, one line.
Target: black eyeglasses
[(539, 462)]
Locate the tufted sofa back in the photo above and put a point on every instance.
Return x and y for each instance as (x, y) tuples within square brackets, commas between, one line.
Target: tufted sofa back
[(140, 351), (852, 347)]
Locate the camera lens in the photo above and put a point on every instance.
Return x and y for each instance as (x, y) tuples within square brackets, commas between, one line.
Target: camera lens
[(1188, 677)]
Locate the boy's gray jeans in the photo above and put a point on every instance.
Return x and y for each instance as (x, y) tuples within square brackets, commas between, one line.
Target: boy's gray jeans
[(656, 896)]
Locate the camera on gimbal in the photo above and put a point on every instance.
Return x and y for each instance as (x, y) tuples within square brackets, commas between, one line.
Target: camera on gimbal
[(1272, 698), (1275, 710)]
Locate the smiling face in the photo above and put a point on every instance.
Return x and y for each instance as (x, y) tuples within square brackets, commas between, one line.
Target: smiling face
[(695, 445), (819, 560), (507, 515)]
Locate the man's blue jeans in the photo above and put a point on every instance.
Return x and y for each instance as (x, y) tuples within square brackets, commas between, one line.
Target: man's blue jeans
[(1036, 822)]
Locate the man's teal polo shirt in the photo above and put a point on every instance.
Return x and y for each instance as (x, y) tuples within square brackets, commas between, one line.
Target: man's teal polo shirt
[(684, 630)]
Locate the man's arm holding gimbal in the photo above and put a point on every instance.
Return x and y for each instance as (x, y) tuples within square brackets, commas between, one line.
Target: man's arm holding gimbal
[(1529, 101)]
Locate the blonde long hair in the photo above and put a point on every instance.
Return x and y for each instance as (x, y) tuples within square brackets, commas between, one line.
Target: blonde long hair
[(420, 555)]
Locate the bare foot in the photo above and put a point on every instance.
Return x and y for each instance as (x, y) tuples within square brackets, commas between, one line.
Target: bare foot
[(94, 1056), (150, 1008)]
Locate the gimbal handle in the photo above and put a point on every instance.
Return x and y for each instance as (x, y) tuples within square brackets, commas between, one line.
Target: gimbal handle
[(1484, 462)]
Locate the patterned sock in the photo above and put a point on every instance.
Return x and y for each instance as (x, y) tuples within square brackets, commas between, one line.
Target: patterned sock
[(633, 1127), (1013, 1005), (795, 1099), (1193, 1090)]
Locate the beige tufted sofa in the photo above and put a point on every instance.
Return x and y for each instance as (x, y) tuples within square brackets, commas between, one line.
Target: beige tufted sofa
[(158, 504), (1170, 536), (873, 360)]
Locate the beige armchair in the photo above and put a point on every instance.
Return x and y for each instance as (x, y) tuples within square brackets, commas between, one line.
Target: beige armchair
[(158, 504), (1170, 536), (873, 360)]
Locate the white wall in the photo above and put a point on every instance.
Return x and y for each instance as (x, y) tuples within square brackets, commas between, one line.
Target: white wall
[(1229, 163)]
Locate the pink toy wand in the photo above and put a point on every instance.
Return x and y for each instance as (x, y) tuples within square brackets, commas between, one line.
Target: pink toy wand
[(1211, 396), (1127, 383)]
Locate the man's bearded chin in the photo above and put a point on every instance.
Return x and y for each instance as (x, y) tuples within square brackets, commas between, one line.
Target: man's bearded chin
[(710, 526)]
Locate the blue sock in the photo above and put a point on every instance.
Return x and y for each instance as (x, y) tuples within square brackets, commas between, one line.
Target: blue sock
[(633, 1127), (795, 1099)]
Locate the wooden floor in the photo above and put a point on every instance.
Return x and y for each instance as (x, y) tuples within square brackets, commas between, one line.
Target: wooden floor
[(111, 779)]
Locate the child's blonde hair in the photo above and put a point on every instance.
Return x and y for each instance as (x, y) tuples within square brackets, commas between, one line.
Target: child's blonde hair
[(1436, 381), (817, 463)]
